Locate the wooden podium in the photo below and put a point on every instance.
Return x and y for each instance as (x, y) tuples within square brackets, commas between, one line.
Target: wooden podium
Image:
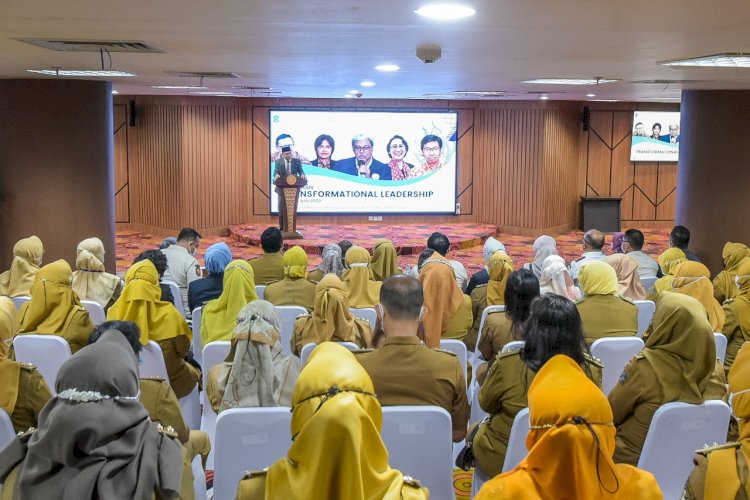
[(288, 188)]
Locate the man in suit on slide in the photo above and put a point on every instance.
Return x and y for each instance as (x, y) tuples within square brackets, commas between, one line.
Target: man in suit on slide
[(286, 165), (362, 164)]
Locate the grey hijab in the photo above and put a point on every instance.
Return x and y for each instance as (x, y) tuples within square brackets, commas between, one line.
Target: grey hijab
[(332, 262)]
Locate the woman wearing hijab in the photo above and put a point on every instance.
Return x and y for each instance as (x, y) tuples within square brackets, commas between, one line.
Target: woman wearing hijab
[(331, 262), (159, 321), (27, 257), (571, 441), (54, 308), (667, 261), (479, 278), (617, 239), (90, 281), (384, 260), (330, 319), (500, 266), (724, 283), (675, 365), (361, 288), (336, 420), (737, 315), (219, 316), (218, 256), (294, 289), (555, 278), (448, 310), (553, 327), (544, 246), (256, 372), (95, 439), (629, 282), (694, 279), (603, 312)]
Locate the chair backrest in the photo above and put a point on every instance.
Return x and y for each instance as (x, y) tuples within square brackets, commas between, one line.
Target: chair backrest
[(515, 344), (47, 352), (19, 301), (152, 362), (7, 434), (213, 354), (676, 431), (648, 282), (288, 315), (366, 313), (260, 291), (199, 479), (477, 413), (485, 313), (459, 349), (197, 340), (177, 294), (419, 443), (95, 310), (614, 353), (308, 348), (248, 439), (646, 309), (517, 440), (721, 346)]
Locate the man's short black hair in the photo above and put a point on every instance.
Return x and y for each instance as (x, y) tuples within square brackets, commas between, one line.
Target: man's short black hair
[(680, 237), (129, 329), (157, 258), (402, 297), (271, 240), (431, 138), (188, 234), (635, 239), (439, 242)]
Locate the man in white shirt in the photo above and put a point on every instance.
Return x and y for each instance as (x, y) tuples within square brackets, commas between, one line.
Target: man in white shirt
[(632, 243), (182, 267), (440, 243), (593, 241)]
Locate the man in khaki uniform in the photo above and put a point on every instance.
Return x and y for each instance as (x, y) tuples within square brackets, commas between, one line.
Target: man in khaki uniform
[(182, 267), (269, 266), (32, 394), (403, 370)]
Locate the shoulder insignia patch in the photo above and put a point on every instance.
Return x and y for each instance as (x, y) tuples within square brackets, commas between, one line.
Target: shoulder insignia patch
[(708, 448), (27, 433), (154, 379), (362, 351), (594, 361), (483, 285), (28, 366), (728, 301), (626, 299), (254, 473), (167, 431), (412, 482), (513, 352), (444, 351)]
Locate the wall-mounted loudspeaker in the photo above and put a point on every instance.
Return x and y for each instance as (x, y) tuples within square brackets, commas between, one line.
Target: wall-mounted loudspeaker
[(586, 118), (131, 112)]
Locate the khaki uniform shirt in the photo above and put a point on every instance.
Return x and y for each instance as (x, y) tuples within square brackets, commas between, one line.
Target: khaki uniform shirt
[(607, 316), (33, 394), (267, 268), (162, 406), (291, 292), (696, 484), (496, 333), (733, 333), (182, 269), (183, 376), (315, 275), (478, 304), (406, 372)]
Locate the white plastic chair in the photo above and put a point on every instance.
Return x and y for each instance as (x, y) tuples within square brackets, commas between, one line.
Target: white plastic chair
[(47, 352), (514, 344), (199, 479), (517, 440), (419, 443), (288, 315), (366, 313), (485, 313), (307, 349), (95, 310), (197, 340), (260, 291), (648, 282), (615, 353), (19, 301), (721, 346), (479, 478), (676, 431), (190, 407), (177, 294), (646, 309), (152, 362), (213, 354), (477, 413), (459, 349), (248, 439), (7, 434)]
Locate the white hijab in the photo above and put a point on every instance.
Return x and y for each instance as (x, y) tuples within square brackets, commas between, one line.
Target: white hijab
[(556, 279), (490, 247), (544, 246)]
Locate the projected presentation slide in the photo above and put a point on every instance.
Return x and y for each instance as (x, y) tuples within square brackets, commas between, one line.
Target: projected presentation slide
[(656, 136), (374, 162)]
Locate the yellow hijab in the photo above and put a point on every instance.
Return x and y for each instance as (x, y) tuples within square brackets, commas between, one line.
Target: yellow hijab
[(90, 281), (499, 266), (295, 263), (384, 260), (442, 297), (694, 279), (568, 458), (598, 278), (362, 290), (8, 325), (667, 260), (219, 316), (733, 255), (742, 299), (140, 302), (331, 319), (10, 371), (27, 257), (336, 421), (629, 282)]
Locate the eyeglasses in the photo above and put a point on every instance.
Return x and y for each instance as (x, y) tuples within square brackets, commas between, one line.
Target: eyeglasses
[(361, 149), (433, 149)]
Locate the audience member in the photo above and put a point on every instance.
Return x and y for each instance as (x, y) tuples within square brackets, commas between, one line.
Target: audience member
[(403, 370), (632, 245), (159, 260), (440, 243), (667, 261), (571, 441), (219, 316), (675, 365), (384, 260), (737, 315), (629, 283), (481, 277), (294, 289), (724, 283), (256, 372), (679, 238), (269, 266), (603, 312), (543, 247), (158, 321), (448, 310), (361, 288), (218, 256), (344, 245), (90, 281), (27, 257), (336, 422), (553, 327), (593, 241), (95, 439), (492, 294), (555, 279), (54, 308), (330, 262), (616, 243), (8, 325), (182, 267), (694, 279), (330, 319)]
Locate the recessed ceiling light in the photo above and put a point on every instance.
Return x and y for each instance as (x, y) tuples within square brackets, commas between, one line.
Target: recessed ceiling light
[(726, 60), (445, 11), (570, 81), (605, 100), (216, 93), (349, 96), (81, 72), (367, 83), (178, 87), (590, 95), (115, 92), (388, 68), (544, 97)]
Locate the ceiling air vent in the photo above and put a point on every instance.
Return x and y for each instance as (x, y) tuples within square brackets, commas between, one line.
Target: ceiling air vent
[(93, 45), (202, 74)]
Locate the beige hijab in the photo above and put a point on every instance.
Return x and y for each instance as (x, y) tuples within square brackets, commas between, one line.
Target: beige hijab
[(628, 281), (27, 257), (90, 281)]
